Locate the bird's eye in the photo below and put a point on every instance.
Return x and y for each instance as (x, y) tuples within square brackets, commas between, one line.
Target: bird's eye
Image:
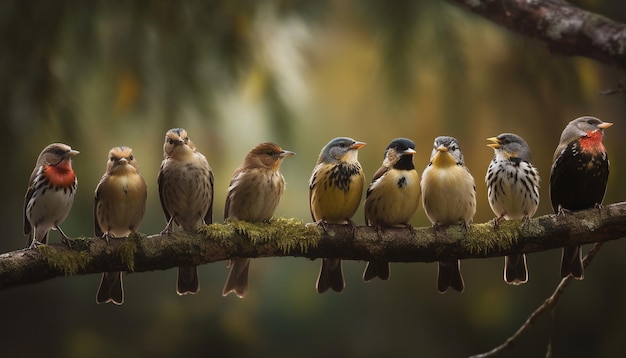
[(170, 141), (131, 157), (112, 159), (591, 121), (186, 140)]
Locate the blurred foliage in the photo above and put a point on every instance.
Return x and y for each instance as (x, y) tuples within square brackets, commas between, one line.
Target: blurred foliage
[(99, 74)]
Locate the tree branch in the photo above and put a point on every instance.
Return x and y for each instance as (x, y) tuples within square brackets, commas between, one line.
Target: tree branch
[(564, 28), (290, 237)]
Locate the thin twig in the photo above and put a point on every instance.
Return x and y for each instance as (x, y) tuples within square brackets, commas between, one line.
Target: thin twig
[(549, 303)]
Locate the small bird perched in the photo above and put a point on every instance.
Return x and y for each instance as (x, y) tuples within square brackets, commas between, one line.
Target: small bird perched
[(392, 197), (513, 193), (448, 197), (120, 201), (335, 190), (578, 178), (50, 194), (253, 195), (186, 191)]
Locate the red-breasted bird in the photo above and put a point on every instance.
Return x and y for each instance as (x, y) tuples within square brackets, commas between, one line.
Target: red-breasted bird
[(513, 193), (580, 171), (449, 198), (335, 190), (50, 194), (253, 195), (186, 191), (392, 197), (120, 201)]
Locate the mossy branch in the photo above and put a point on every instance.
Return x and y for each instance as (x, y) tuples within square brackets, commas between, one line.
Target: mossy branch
[(290, 237), (563, 27)]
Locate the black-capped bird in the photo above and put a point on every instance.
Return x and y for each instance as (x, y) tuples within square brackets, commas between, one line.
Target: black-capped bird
[(513, 193), (50, 194), (120, 201), (392, 197), (449, 198), (580, 171), (186, 191), (335, 190), (253, 195)]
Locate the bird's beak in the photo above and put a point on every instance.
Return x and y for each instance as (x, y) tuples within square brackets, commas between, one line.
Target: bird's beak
[(72, 153), (123, 161), (442, 148), (409, 151), (357, 145), (287, 153), (605, 125), (495, 144)]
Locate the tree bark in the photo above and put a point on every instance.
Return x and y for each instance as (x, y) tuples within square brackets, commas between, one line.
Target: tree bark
[(290, 237), (564, 28)]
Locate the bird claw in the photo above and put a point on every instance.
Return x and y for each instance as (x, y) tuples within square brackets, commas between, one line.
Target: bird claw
[(66, 240), (411, 229), (496, 223), (561, 211), (35, 244)]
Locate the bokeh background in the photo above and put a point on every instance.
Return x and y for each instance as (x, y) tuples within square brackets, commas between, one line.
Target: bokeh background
[(98, 74)]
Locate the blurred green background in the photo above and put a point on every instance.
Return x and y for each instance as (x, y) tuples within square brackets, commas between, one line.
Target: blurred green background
[(100, 74)]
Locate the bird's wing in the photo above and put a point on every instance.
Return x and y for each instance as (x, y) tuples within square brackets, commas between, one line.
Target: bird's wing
[(161, 196)]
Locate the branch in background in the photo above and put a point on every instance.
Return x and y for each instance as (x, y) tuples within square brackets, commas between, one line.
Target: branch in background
[(290, 237), (549, 303), (564, 28)]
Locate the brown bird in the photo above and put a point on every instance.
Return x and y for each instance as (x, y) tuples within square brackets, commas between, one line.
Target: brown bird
[(253, 195), (120, 202), (393, 197), (186, 191), (50, 194), (335, 190)]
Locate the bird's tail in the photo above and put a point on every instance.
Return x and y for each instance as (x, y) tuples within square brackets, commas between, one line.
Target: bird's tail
[(111, 289), (237, 280), (449, 275), (572, 262), (331, 276), (187, 282), (376, 269), (515, 269)]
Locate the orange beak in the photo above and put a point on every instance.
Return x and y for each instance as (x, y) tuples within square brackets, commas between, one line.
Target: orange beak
[(357, 145), (605, 125)]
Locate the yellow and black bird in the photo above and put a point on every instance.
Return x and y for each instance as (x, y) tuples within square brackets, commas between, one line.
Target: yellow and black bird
[(580, 172), (513, 193), (253, 195), (120, 202), (448, 197), (335, 190), (392, 197), (186, 191)]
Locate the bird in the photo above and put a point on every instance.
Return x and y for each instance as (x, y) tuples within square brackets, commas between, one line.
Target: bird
[(119, 205), (335, 190), (253, 195), (185, 184), (513, 193), (578, 178), (448, 198), (50, 194), (392, 197)]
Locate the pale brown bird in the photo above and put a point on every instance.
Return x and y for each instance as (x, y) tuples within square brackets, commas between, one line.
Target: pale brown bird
[(186, 192), (253, 195), (50, 194), (120, 202), (335, 191)]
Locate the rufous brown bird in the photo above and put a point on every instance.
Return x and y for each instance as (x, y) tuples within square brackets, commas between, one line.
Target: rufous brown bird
[(50, 194), (335, 190), (513, 193), (392, 197), (253, 195), (120, 201), (578, 178), (449, 198), (186, 191)]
